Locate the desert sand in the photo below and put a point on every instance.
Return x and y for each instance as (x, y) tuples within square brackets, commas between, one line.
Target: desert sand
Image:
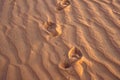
[(59, 39)]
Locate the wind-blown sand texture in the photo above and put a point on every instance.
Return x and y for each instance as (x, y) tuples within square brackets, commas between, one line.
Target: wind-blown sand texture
[(59, 39)]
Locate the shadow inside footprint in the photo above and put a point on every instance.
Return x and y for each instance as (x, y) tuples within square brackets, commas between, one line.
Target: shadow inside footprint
[(61, 5), (64, 65), (74, 54), (51, 28)]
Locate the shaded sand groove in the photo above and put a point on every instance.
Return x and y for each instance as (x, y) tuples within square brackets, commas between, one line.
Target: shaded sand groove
[(59, 40)]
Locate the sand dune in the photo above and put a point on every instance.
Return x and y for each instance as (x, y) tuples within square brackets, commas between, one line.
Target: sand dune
[(59, 40)]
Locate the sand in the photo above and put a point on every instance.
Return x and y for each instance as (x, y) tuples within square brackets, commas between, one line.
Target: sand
[(59, 40)]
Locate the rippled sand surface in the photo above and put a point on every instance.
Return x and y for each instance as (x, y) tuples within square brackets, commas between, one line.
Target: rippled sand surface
[(59, 39)]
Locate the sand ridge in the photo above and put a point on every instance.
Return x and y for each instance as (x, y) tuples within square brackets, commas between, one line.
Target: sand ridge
[(59, 40)]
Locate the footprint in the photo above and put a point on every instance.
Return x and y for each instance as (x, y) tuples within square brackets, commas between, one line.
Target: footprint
[(51, 28), (74, 55), (61, 5)]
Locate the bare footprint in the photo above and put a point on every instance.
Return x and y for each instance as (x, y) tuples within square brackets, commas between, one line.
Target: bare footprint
[(74, 55), (62, 4), (52, 28)]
